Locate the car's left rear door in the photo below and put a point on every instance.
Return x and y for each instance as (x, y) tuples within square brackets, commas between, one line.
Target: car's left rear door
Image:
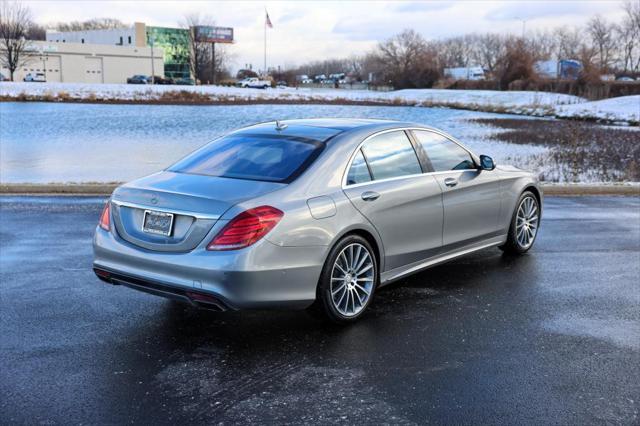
[(386, 183)]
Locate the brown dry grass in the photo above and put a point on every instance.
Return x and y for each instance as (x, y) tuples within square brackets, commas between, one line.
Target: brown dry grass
[(610, 153)]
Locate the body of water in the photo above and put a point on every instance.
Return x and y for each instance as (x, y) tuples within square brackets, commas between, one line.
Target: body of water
[(66, 142)]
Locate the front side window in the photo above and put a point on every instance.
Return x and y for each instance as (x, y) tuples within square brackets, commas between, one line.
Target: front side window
[(444, 154), (359, 172), (391, 155), (255, 157)]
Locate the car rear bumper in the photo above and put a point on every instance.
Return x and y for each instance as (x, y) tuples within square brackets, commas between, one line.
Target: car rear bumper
[(261, 276)]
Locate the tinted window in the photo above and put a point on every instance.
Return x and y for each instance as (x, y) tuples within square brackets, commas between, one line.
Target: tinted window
[(443, 153), (358, 172), (256, 157), (390, 155)]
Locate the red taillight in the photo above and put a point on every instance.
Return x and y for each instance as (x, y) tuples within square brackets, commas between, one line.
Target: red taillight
[(105, 218), (246, 228)]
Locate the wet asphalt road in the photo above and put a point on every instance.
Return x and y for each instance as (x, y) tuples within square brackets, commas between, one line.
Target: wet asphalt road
[(550, 337)]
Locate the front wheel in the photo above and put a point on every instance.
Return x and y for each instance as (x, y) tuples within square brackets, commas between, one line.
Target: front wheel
[(348, 280), (524, 225)]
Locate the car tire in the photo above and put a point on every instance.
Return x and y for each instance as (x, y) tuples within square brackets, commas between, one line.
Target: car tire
[(347, 282), (525, 223)]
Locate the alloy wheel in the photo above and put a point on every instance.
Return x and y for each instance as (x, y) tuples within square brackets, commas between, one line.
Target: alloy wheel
[(352, 279), (527, 222)]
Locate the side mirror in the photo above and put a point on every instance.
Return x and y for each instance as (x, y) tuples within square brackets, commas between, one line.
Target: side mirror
[(486, 163)]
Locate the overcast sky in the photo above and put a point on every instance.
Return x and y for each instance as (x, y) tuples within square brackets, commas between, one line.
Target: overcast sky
[(309, 30)]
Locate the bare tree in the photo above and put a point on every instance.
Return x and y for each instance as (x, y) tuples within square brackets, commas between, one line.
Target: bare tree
[(490, 49), (602, 36), (408, 60), (15, 20), (516, 63), (629, 36), (568, 43), (91, 24), (205, 63), (455, 51)]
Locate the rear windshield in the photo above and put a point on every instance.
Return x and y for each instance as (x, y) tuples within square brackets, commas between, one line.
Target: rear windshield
[(271, 158)]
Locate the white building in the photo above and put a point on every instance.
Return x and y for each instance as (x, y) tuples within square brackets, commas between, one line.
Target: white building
[(88, 63), (129, 36)]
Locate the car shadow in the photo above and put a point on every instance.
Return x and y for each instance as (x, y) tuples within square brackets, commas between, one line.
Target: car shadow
[(425, 293)]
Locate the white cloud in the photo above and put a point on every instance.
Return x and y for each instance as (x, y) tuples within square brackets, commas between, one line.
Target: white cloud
[(311, 30)]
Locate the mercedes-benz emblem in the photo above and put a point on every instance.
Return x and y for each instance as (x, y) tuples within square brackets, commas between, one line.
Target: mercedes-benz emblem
[(154, 200)]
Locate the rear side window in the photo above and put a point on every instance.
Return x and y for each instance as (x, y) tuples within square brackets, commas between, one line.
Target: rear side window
[(444, 154), (359, 172), (255, 157), (391, 155)]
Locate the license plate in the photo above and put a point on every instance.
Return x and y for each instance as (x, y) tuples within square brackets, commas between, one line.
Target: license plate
[(159, 223)]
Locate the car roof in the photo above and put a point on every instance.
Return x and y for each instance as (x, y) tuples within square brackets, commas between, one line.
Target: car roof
[(322, 129)]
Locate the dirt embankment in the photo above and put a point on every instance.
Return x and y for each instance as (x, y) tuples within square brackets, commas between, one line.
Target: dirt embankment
[(105, 189)]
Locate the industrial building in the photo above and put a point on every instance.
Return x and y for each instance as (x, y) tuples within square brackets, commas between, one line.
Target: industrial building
[(174, 43), (72, 62)]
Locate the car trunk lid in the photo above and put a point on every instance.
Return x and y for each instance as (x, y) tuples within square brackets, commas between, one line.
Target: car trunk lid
[(194, 202)]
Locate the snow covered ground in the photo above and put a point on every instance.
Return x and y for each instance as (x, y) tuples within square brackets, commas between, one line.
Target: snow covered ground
[(624, 109)]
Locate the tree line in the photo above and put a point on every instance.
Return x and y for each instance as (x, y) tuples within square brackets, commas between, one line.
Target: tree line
[(408, 60)]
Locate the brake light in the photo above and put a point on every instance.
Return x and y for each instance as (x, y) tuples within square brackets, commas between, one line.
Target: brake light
[(105, 218), (246, 228)]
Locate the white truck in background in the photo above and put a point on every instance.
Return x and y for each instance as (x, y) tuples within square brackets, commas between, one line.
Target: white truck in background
[(254, 83), (464, 73)]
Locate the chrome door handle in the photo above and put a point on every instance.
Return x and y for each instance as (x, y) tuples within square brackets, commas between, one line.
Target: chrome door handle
[(450, 182), (370, 196)]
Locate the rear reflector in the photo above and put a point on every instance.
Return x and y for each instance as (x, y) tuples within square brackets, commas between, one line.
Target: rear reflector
[(101, 273), (105, 217), (246, 228)]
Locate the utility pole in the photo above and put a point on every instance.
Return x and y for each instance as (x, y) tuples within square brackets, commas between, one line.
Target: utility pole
[(524, 25), (44, 57), (153, 69), (265, 47), (213, 62)]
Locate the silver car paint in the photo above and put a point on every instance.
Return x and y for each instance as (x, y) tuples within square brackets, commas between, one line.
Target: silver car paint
[(419, 222)]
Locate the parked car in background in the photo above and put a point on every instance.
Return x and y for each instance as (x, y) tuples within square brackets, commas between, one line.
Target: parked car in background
[(281, 84), (35, 78), (185, 82), (139, 79), (3, 78), (311, 213), (625, 78), (162, 80), (254, 83)]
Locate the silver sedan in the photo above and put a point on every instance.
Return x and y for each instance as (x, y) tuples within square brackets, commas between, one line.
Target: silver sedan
[(311, 213)]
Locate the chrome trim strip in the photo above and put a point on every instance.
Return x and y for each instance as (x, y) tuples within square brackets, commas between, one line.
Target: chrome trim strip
[(353, 155), (173, 211), (410, 269)]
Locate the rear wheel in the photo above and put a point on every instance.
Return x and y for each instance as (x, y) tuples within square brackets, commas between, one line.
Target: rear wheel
[(348, 281), (524, 225)]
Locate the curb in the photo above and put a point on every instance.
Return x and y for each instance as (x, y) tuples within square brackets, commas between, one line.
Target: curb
[(105, 189)]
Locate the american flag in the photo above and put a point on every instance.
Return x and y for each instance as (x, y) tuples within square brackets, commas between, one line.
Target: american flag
[(267, 21)]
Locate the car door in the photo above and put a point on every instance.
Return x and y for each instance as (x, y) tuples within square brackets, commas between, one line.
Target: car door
[(386, 183), (471, 197)]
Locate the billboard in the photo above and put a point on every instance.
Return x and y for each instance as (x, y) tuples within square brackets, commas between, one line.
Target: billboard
[(211, 34)]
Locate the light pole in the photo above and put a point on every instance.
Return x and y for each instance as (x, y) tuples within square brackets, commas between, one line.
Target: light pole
[(44, 57), (524, 25), (153, 69)]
